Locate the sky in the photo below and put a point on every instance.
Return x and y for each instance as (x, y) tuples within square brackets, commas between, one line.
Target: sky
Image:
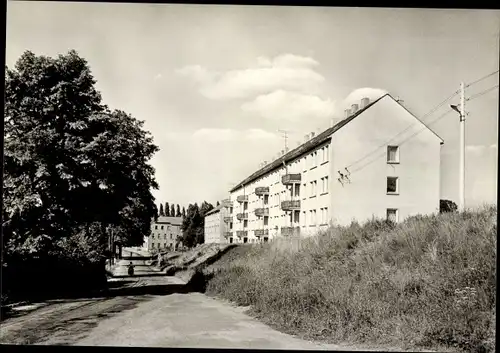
[(216, 84)]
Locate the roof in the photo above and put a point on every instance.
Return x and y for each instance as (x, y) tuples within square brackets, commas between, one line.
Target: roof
[(215, 210), (170, 220), (314, 142)]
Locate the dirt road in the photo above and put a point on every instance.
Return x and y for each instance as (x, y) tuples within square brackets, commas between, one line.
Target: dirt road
[(146, 312)]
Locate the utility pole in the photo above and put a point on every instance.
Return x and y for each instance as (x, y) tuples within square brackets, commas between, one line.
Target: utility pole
[(285, 137), (462, 148)]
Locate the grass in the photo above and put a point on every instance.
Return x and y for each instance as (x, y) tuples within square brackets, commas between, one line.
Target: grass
[(426, 283)]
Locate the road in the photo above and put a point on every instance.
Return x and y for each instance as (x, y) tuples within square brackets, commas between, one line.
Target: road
[(149, 311)]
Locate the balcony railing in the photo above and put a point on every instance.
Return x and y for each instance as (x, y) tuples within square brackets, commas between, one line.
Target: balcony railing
[(227, 203), (228, 219), (261, 232), (228, 234), (291, 179), (261, 212), (242, 233), (242, 198), (262, 190), (290, 205), (290, 231), (242, 216)]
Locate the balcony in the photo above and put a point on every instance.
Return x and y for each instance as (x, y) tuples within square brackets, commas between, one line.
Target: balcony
[(261, 232), (290, 231), (242, 198), (242, 216), (242, 233), (228, 234), (290, 205), (262, 190), (289, 179), (227, 203), (261, 212), (228, 219)]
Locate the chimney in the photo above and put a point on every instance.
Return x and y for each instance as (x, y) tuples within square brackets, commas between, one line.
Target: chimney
[(312, 134), (347, 112), (282, 152), (306, 137), (354, 108), (364, 102)]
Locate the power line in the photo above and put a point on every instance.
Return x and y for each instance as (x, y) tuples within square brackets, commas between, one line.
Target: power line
[(402, 142), (481, 93), (482, 78), (409, 127)]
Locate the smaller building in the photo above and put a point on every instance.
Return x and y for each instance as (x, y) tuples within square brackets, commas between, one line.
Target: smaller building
[(216, 227), (164, 234)]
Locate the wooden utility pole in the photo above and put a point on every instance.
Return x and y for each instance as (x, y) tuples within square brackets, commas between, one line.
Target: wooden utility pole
[(461, 193)]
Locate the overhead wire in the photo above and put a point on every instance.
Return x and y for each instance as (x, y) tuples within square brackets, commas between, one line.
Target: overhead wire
[(481, 93), (402, 142), (482, 78)]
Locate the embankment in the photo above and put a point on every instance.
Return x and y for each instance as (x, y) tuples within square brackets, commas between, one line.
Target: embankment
[(429, 282)]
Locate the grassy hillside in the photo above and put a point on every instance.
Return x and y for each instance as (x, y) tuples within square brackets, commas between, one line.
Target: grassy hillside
[(428, 282)]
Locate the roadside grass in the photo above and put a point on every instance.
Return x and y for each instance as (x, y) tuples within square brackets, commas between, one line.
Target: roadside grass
[(428, 282)]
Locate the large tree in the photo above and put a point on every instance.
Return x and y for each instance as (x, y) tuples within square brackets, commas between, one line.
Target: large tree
[(71, 164), (167, 209), (172, 210), (162, 213), (178, 211), (183, 212)]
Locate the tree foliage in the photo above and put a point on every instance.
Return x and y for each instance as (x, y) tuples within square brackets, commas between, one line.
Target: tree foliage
[(172, 210), (178, 211), (193, 224), (167, 209), (162, 212), (183, 212), (447, 206), (72, 166)]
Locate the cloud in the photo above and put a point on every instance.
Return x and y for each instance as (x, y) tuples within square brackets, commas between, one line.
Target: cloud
[(287, 71), (228, 135), (360, 93), (285, 105)]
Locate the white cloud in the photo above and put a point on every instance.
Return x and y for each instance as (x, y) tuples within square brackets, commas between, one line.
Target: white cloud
[(360, 93), (285, 105), (287, 71), (227, 135)]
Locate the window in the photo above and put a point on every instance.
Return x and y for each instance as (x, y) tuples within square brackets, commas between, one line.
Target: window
[(305, 189), (231, 225), (266, 220), (304, 217), (297, 190), (326, 153), (161, 227), (392, 154), (326, 216), (245, 206), (324, 184), (153, 245), (266, 199), (152, 236), (156, 227), (392, 185), (296, 217), (230, 210), (313, 188), (245, 223), (392, 214)]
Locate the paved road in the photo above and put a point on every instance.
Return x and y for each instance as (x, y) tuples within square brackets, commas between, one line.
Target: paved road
[(147, 312)]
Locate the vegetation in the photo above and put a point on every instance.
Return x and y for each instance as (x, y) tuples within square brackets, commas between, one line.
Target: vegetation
[(193, 224), (447, 206), (427, 282), (73, 171)]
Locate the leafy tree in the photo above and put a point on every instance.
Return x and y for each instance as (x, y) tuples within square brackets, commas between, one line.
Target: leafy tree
[(218, 204), (172, 210), (71, 164), (178, 211), (162, 213), (183, 212), (167, 210), (191, 226), (447, 206)]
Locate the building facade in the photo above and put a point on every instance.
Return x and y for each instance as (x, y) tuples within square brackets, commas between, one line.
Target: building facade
[(164, 233), (216, 225), (379, 161)]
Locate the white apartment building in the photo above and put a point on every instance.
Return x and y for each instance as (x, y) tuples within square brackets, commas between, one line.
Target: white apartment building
[(164, 233), (379, 161), (215, 226)]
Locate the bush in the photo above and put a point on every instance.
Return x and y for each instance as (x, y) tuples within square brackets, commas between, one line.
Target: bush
[(429, 282)]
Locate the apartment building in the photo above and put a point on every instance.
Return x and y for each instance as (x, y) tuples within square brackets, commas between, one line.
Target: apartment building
[(164, 233), (215, 225), (379, 161)]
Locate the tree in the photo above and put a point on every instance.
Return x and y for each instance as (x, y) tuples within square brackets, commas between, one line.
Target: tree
[(178, 211), (71, 164), (218, 204), (167, 209), (162, 213), (191, 226), (172, 210), (447, 206), (183, 212)]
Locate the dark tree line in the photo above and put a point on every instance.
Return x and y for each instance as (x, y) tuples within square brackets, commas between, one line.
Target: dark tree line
[(171, 211), (194, 223)]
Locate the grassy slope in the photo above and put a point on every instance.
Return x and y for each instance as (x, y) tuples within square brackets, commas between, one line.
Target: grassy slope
[(428, 282)]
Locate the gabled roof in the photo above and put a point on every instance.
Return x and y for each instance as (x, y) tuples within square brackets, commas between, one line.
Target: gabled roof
[(169, 220), (313, 143), (215, 210)]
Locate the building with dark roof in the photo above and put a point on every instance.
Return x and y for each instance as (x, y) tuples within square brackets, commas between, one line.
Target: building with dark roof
[(164, 233), (379, 161)]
